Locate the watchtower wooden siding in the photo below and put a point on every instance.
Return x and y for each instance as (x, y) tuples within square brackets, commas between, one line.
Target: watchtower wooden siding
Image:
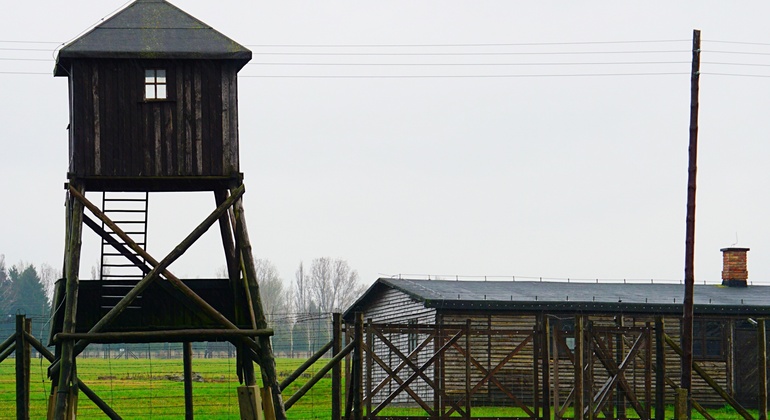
[(115, 132)]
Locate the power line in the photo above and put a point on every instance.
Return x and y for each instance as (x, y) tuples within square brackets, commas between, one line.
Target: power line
[(26, 59), (735, 52), (25, 73), (478, 76), (458, 45), (28, 42), (735, 74), (474, 53), (739, 43), (25, 49), (471, 64)]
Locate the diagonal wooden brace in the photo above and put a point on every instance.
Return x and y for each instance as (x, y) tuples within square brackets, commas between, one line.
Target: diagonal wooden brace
[(160, 268)]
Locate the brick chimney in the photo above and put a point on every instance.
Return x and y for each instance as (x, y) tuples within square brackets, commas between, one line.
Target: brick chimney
[(734, 270)]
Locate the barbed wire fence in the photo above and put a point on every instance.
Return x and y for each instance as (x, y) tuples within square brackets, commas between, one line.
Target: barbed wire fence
[(146, 380)]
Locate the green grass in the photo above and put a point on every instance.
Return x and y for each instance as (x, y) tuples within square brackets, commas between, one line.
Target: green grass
[(142, 388)]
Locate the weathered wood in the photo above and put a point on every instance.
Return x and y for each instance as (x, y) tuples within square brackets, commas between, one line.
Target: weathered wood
[(109, 138), (22, 369), (67, 374), (170, 336), (546, 361), (9, 351), (106, 409), (468, 369), (406, 361), (689, 260), (369, 351), (249, 402), (699, 408), (160, 267), (706, 377), (305, 366), (579, 368), (8, 343), (393, 375), (762, 366), (620, 402), (265, 350), (616, 373), (555, 345), (188, 382), (419, 372), (648, 370), (358, 360), (660, 369), (319, 375), (337, 368)]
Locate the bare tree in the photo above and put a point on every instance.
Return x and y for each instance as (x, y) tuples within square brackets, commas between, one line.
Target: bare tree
[(322, 288), (334, 285), (301, 300), (270, 289), (48, 276), (346, 286)]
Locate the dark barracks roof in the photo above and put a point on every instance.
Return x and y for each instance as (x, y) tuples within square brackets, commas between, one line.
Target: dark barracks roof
[(152, 29), (528, 296)]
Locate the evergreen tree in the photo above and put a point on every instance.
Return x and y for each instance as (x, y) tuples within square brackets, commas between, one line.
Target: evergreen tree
[(27, 292)]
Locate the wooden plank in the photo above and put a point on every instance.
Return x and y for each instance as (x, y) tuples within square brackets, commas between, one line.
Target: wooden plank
[(189, 120), (249, 403), (546, 361), (188, 383), (22, 369), (264, 350), (727, 397), (67, 374), (579, 368), (199, 334), (160, 267), (198, 122), (762, 366), (337, 368), (227, 151), (660, 369)]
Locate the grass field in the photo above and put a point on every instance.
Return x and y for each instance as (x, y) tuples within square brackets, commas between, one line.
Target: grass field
[(152, 388)]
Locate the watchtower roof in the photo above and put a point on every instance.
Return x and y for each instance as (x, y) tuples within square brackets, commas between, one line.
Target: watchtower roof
[(152, 29)]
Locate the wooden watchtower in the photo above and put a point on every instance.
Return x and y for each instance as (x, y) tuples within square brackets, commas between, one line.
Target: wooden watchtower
[(154, 108)]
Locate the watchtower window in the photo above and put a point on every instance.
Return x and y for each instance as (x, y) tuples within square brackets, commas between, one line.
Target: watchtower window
[(155, 84)]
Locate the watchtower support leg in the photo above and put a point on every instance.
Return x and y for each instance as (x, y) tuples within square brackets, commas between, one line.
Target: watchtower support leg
[(244, 364), (265, 351), (67, 380)]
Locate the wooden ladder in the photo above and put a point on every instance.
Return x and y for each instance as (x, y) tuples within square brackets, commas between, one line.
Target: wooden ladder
[(128, 210)]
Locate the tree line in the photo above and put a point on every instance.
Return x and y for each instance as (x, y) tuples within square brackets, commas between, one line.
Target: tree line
[(301, 313), (25, 289)]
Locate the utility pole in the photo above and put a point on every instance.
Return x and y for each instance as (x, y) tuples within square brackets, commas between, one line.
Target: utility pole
[(689, 255)]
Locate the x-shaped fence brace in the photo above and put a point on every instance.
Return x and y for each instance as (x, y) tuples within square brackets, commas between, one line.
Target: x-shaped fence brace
[(489, 375), (419, 371), (617, 373)]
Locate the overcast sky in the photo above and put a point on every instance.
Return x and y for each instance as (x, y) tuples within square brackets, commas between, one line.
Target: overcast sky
[(418, 138)]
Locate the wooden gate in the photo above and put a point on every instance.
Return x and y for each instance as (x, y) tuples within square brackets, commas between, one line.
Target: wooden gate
[(616, 380), (442, 371)]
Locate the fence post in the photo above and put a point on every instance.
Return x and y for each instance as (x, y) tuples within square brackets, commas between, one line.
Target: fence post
[(579, 368), (762, 365), (188, 386), (660, 369), (337, 369), (358, 361), (22, 370)]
